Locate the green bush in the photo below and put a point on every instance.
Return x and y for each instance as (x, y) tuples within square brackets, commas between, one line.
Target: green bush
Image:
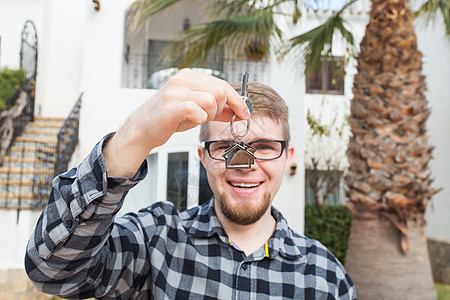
[(330, 225), (10, 81)]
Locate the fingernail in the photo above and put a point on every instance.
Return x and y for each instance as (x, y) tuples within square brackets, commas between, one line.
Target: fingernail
[(246, 113)]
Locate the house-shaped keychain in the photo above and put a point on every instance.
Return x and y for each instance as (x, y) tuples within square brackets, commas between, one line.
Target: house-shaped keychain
[(239, 156)]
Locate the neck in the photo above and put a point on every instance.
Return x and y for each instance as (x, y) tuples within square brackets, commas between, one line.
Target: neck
[(248, 238)]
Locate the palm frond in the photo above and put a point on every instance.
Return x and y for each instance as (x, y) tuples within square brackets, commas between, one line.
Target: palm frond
[(231, 35), (430, 8), (143, 9), (316, 44)]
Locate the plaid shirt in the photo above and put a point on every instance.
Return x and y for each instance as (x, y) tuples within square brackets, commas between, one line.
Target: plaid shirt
[(78, 249)]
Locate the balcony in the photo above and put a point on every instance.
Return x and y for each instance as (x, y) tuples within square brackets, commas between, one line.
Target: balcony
[(143, 71)]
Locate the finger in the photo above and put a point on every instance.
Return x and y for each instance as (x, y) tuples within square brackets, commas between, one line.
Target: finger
[(190, 113), (226, 115), (206, 101), (222, 91)]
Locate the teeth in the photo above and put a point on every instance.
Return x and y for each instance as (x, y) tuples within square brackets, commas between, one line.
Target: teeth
[(244, 185)]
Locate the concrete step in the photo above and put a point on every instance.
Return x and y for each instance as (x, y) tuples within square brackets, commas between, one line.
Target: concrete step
[(28, 166), (52, 140), (49, 119), (48, 133), (4, 182), (40, 124), (32, 145), (26, 175), (15, 190), (30, 152), (26, 202)]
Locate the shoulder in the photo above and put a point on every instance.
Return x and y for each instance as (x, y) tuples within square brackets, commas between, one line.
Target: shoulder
[(320, 262), (311, 248)]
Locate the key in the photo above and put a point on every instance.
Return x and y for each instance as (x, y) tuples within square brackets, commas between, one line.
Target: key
[(240, 155), (244, 93)]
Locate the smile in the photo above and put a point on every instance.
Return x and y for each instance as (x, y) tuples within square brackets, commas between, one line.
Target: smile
[(245, 185)]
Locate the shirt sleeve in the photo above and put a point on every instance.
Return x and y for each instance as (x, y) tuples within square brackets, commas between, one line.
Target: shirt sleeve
[(76, 245)]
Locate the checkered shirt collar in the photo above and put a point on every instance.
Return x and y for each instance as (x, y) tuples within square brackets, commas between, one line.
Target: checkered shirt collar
[(206, 224)]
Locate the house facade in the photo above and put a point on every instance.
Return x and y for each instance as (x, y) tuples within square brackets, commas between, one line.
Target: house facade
[(117, 67)]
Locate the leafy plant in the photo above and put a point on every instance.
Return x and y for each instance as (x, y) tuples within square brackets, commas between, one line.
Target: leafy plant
[(10, 81), (330, 225)]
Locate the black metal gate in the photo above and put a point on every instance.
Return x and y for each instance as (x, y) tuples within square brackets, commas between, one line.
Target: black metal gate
[(28, 62), (29, 50)]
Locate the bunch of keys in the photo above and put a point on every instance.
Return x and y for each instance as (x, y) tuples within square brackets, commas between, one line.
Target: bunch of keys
[(240, 155)]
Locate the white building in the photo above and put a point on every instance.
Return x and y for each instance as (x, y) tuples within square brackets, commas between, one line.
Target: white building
[(85, 50)]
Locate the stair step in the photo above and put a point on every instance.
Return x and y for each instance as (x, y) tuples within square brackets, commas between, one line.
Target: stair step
[(27, 177), (41, 165), (41, 131), (25, 203), (9, 159), (45, 125), (10, 182), (16, 196), (15, 190), (49, 119), (40, 136), (4, 170), (36, 140), (18, 149)]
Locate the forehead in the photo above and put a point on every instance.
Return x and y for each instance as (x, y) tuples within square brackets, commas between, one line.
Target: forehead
[(261, 127)]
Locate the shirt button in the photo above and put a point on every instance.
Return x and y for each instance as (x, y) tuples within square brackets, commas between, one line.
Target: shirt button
[(99, 186), (244, 266), (68, 223)]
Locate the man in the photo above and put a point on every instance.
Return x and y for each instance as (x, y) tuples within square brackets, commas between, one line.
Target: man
[(235, 247)]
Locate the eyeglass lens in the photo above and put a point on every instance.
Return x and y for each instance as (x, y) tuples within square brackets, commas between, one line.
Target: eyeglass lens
[(264, 149)]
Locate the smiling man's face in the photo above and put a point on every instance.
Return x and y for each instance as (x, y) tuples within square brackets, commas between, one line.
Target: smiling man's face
[(243, 196)]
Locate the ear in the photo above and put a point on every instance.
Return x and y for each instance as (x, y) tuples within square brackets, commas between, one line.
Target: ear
[(201, 154), (289, 156)]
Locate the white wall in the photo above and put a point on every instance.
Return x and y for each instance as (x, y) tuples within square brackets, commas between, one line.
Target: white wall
[(13, 15), (436, 67), (14, 237), (102, 52)]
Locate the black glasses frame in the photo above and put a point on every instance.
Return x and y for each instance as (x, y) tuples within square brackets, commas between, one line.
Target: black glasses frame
[(283, 143)]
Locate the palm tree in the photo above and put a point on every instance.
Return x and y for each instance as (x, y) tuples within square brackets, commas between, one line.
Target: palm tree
[(388, 181)]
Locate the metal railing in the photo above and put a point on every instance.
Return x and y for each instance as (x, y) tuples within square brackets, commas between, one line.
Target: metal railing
[(52, 160), (33, 165), (67, 139), (144, 71), (14, 120)]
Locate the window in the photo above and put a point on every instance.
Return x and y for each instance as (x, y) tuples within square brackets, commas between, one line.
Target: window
[(205, 192), (177, 179), (159, 70), (329, 184), (328, 78)]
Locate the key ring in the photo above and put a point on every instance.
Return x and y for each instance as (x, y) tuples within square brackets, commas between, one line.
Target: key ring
[(238, 137)]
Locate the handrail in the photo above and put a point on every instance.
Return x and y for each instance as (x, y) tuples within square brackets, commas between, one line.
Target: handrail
[(54, 160), (67, 138), (14, 120)]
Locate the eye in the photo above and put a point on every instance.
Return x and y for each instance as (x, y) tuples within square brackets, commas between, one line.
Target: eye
[(263, 146), (220, 146)]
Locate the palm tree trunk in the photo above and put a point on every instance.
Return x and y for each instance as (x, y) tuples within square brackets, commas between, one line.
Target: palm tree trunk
[(389, 182), (380, 270)]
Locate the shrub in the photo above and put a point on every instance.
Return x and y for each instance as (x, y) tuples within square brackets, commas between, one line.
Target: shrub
[(330, 225), (10, 81)]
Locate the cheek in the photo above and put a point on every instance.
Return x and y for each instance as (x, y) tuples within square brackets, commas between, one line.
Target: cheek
[(276, 172), (214, 169)]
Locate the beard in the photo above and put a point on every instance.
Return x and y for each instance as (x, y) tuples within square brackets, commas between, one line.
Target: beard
[(245, 213)]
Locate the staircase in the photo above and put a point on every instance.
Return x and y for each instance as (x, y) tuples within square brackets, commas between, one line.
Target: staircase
[(27, 171)]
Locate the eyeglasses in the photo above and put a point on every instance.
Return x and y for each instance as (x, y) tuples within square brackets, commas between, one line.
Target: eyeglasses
[(265, 149)]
